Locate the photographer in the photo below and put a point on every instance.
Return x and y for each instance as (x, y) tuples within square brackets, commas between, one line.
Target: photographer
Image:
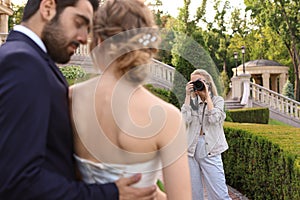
[(204, 116)]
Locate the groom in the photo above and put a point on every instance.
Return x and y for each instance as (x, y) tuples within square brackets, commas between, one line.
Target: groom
[(36, 149)]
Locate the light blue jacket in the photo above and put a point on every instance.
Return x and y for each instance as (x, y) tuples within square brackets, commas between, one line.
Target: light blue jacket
[(212, 124)]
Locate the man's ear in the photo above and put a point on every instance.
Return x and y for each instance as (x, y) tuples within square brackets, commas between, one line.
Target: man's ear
[(48, 9)]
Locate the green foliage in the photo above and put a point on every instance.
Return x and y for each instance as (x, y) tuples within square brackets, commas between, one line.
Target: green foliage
[(159, 92), (16, 17), (276, 122), (225, 82), (263, 160), (288, 90), (72, 73), (228, 116), (166, 45), (282, 17), (160, 185), (250, 115), (173, 99), (165, 95)]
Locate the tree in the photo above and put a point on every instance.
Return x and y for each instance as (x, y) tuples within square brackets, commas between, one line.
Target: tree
[(155, 6), (16, 17), (282, 17), (288, 90)]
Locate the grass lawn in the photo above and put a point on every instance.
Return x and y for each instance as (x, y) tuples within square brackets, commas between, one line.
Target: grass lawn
[(275, 122)]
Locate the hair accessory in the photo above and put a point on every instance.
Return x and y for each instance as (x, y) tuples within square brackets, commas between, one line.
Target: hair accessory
[(146, 39)]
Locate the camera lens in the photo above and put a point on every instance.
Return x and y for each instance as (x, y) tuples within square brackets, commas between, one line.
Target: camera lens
[(198, 85)]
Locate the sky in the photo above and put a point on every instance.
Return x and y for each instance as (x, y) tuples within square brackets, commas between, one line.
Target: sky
[(171, 6), (18, 2)]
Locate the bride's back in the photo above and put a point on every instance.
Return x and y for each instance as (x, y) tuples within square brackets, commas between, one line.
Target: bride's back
[(129, 118)]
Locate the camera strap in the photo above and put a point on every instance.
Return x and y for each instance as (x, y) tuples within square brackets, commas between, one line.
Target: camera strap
[(203, 112)]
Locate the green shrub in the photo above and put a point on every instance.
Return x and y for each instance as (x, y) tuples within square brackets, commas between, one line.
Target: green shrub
[(159, 92), (228, 116), (250, 115), (288, 89), (263, 160), (72, 72)]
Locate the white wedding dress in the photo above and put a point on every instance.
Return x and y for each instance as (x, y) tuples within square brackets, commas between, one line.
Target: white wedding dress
[(101, 173)]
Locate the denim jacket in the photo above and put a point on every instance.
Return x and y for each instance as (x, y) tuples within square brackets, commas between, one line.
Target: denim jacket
[(211, 123)]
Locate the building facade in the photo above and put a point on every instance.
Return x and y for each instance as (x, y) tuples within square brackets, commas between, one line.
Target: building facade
[(267, 73), (5, 11)]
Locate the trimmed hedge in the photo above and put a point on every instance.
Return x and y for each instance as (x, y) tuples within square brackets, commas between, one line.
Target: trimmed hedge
[(159, 92), (263, 160), (250, 115)]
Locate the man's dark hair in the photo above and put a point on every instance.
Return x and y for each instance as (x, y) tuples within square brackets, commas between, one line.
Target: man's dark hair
[(32, 7)]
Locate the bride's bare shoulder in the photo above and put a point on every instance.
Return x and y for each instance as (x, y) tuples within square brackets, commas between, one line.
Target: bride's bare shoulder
[(172, 111)]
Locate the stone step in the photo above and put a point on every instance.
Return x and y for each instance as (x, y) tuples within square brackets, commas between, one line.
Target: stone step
[(233, 104)]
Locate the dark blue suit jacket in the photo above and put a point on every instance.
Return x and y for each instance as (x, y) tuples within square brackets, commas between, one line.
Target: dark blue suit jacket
[(36, 143)]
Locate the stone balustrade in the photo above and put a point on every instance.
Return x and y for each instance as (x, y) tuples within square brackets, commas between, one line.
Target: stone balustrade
[(275, 101), (83, 50), (161, 75)]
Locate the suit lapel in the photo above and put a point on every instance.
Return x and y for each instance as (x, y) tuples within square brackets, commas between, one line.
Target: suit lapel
[(57, 72)]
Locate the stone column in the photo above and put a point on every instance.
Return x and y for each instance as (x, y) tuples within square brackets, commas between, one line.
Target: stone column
[(245, 84), (282, 81), (238, 85), (4, 23), (266, 80), (236, 88)]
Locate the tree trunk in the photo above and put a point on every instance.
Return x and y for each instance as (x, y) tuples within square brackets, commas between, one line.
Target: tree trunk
[(296, 63)]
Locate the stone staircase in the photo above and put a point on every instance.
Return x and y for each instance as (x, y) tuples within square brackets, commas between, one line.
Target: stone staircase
[(231, 104), (281, 107)]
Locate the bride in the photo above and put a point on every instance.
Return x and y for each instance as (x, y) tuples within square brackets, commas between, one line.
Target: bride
[(120, 128)]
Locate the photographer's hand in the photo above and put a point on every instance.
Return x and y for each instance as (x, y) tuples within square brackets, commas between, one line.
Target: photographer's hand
[(188, 91), (189, 88)]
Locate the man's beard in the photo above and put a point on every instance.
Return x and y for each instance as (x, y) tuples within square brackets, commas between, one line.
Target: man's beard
[(56, 42)]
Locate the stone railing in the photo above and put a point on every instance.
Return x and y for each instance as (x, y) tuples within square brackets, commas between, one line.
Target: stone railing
[(275, 101), (162, 75), (83, 50)]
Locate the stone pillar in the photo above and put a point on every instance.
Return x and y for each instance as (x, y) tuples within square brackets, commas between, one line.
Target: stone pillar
[(245, 84), (4, 23), (236, 88), (282, 81), (266, 80), (238, 85)]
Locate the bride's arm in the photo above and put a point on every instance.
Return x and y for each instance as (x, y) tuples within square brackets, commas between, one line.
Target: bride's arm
[(173, 151)]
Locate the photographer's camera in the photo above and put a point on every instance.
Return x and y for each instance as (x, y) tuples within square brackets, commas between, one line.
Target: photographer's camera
[(198, 85)]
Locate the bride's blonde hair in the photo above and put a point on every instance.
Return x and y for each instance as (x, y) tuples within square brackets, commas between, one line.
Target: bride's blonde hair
[(129, 34)]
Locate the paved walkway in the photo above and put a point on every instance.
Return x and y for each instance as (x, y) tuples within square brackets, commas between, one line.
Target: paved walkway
[(233, 193), (236, 195)]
